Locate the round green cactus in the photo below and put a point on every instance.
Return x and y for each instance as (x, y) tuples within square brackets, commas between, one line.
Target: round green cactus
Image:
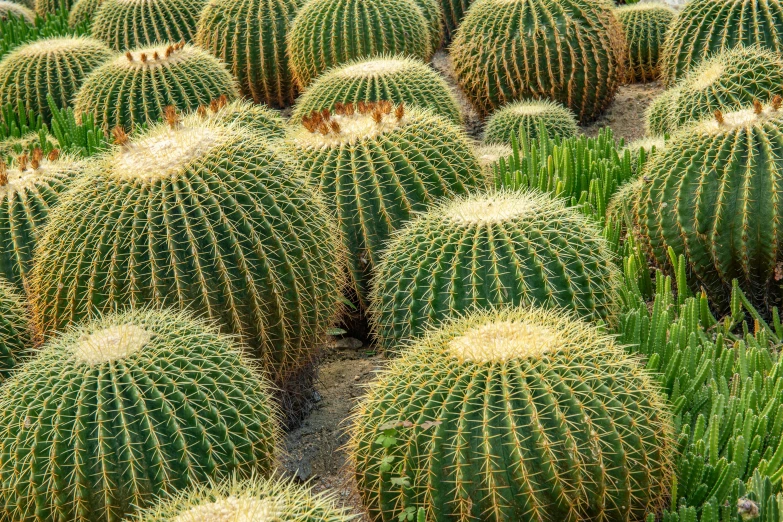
[(16, 339), (434, 15), (83, 11), (658, 118), (130, 24), (377, 166), (453, 13), (519, 414), (29, 189), (650, 145), (44, 7), (56, 66), (393, 78), (117, 411), (206, 217), (326, 33), (489, 156), (527, 117), (134, 88), (504, 51), (706, 27), (17, 10), (253, 500), (712, 197), (486, 251), (645, 26), (30, 4), (250, 37), (263, 120)]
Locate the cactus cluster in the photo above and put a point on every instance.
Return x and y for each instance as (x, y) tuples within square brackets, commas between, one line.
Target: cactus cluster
[(50, 66), (206, 217), (504, 51), (394, 78), (17, 10), (486, 251), (326, 33), (117, 411), (645, 25), (378, 164), (528, 117), (518, 414), (135, 87), (16, 336)]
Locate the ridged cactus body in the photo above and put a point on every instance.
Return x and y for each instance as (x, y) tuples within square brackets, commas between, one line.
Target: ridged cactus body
[(16, 337), (394, 78), (44, 7), (83, 11), (17, 10), (486, 251), (377, 165), (527, 117), (658, 117), (489, 156), (645, 25), (706, 27), (130, 24), (134, 88), (29, 189), (505, 50), (151, 402), (326, 33), (453, 13), (259, 118), (56, 66), (712, 195), (250, 37), (209, 218), (433, 14), (518, 414)]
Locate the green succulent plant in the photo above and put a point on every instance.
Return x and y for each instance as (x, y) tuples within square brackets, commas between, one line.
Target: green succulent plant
[(12, 147), (250, 37), (260, 118), (18, 10), (645, 25), (377, 165), (16, 336), (518, 414), (30, 4), (453, 13), (134, 88), (83, 11), (529, 117), (658, 117), (50, 66), (504, 51), (206, 217), (489, 156), (326, 33), (650, 145), (394, 78), (433, 14), (117, 411), (44, 7)]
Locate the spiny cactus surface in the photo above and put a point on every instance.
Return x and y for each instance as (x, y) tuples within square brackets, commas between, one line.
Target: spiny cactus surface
[(17, 10), (520, 414), (206, 217), (250, 37), (83, 11), (326, 33), (122, 409), (570, 51), (528, 117), (659, 115), (433, 14), (645, 25), (394, 78), (267, 122), (490, 250), (377, 165), (15, 332), (453, 13), (130, 24), (489, 156), (135, 87), (44, 7), (56, 66)]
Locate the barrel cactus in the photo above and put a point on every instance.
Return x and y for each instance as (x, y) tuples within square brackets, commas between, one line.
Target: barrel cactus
[(15, 332), (620, 209), (29, 189), (326, 33), (252, 500), (706, 27), (649, 146), (377, 165), (645, 25), (17, 10), (83, 11), (259, 118), (250, 37), (44, 7), (658, 118), (130, 24), (528, 117), (518, 414), (489, 156), (206, 217), (433, 14), (490, 250), (712, 196), (394, 78), (56, 66), (453, 13), (122, 409), (135, 87), (504, 51), (30, 4)]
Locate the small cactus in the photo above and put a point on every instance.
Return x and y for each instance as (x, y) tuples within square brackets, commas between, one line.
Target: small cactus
[(659, 118), (57, 66), (263, 120), (645, 25), (519, 414), (17, 10), (135, 87), (115, 412), (16, 336), (394, 78), (528, 117)]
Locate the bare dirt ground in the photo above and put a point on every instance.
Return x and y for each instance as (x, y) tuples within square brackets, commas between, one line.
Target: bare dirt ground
[(314, 451)]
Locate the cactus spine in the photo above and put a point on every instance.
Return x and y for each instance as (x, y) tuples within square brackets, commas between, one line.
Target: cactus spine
[(250, 37), (44, 7), (504, 51), (155, 401), (433, 14), (15, 332), (529, 117), (453, 13), (83, 11), (659, 118), (17, 10), (519, 414), (645, 26), (489, 156), (259, 118)]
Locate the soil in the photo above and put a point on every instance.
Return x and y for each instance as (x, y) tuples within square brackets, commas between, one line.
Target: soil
[(314, 452)]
